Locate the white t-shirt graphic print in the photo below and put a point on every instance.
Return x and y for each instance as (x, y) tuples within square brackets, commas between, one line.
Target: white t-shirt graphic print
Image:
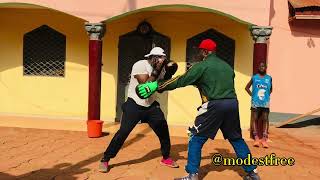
[(140, 67)]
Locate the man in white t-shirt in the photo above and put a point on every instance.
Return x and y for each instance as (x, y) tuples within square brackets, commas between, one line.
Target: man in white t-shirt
[(148, 110)]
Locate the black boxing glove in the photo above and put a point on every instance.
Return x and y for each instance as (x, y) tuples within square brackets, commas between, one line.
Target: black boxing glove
[(170, 69)]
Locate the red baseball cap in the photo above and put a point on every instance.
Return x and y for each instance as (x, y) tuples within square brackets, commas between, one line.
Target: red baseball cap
[(208, 44)]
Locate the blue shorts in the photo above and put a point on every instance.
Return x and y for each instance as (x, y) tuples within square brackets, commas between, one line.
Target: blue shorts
[(220, 114)]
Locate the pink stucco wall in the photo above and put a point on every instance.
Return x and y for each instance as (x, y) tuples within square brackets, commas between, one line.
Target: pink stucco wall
[(294, 62), (100, 10)]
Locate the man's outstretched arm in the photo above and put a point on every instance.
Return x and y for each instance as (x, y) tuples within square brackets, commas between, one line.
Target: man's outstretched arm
[(191, 77)]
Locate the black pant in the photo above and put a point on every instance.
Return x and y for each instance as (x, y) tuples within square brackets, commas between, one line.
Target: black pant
[(132, 114), (218, 114)]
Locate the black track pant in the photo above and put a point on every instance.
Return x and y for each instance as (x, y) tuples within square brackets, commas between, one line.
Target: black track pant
[(132, 114)]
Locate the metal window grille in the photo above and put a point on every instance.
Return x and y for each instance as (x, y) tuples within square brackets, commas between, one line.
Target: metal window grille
[(225, 47), (44, 52)]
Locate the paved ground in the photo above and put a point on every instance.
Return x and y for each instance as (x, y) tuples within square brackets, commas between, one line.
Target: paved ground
[(56, 154)]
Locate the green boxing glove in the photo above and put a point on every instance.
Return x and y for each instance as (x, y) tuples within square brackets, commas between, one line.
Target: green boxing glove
[(147, 89)]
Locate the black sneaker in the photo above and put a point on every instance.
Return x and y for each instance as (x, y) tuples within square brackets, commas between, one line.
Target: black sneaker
[(253, 175), (189, 177)]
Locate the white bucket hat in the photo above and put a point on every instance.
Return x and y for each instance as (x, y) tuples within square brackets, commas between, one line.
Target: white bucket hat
[(157, 51)]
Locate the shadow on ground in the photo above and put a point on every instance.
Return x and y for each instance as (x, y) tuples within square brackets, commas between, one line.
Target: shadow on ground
[(63, 170), (204, 170), (306, 123), (71, 171), (175, 153)]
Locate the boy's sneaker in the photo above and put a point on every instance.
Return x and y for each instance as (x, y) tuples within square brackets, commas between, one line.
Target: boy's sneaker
[(256, 142), (169, 162), (264, 140), (264, 143)]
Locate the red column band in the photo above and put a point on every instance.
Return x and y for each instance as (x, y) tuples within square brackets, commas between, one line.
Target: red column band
[(259, 55), (95, 53)]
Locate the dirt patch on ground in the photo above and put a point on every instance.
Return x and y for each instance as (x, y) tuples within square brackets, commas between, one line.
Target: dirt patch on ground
[(53, 154)]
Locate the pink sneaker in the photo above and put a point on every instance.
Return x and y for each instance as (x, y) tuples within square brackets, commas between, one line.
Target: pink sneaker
[(104, 167), (169, 162)]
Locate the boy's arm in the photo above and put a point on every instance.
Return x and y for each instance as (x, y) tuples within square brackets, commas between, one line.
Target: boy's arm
[(271, 87)]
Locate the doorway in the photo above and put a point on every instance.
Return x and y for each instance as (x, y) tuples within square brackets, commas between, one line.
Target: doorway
[(132, 48)]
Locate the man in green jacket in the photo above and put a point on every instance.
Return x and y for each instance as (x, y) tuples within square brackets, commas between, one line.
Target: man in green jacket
[(219, 110)]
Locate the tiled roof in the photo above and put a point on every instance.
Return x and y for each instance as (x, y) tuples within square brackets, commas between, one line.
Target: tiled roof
[(304, 3)]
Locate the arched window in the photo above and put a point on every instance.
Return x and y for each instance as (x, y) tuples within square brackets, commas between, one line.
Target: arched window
[(225, 46), (44, 52)]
